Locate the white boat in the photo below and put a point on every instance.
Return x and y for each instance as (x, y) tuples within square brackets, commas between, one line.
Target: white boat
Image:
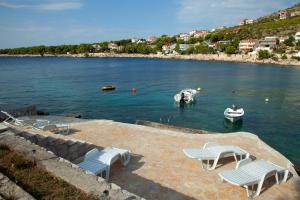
[(186, 95), (234, 113)]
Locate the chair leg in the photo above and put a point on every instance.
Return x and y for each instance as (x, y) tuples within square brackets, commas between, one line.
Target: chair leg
[(259, 187), (277, 179), (214, 164), (286, 174)]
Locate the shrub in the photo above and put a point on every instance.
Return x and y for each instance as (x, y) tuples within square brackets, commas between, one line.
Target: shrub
[(274, 57), (20, 162), (296, 58), (230, 50), (4, 149), (284, 57), (263, 54)]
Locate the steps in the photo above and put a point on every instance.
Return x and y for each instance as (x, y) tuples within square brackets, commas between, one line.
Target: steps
[(71, 150)]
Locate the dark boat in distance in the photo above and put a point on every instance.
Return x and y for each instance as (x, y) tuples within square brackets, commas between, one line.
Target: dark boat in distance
[(108, 88)]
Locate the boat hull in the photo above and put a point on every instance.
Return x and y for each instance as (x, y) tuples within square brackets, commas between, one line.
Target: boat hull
[(234, 119), (108, 88), (234, 115)]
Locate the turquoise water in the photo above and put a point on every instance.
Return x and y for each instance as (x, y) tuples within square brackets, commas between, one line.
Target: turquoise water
[(71, 85)]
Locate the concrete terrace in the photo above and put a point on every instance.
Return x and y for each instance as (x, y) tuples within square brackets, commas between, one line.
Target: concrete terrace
[(160, 170)]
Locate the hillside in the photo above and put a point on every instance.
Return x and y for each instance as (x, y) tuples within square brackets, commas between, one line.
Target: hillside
[(274, 15), (268, 26)]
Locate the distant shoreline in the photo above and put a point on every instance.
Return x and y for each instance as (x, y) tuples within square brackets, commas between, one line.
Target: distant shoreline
[(200, 57)]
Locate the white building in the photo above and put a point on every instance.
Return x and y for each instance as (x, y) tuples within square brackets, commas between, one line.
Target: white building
[(199, 33), (184, 36), (249, 21), (248, 45), (134, 40), (113, 46), (151, 39), (183, 47), (283, 38), (168, 48), (297, 37)]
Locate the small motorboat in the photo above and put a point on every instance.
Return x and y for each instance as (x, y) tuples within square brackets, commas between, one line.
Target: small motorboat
[(234, 113), (108, 88), (186, 96)]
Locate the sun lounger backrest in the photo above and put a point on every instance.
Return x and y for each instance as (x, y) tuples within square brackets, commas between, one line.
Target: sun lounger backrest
[(91, 154), (210, 144)]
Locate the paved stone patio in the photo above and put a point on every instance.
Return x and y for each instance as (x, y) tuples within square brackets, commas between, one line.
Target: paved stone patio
[(160, 170)]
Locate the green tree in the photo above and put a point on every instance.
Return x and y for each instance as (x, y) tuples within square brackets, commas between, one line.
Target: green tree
[(230, 50), (177, 49), (284, 57), (289, 42), (263, 54), (189, 51)]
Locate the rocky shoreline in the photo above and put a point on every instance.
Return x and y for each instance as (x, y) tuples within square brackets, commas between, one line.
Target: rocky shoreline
[(240, 58)]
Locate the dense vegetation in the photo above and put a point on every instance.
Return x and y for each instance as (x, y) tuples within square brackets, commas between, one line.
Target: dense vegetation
[(262, 29), (35, 179)]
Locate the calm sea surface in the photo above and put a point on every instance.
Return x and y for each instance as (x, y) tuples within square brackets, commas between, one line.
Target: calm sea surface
[(71, 85)]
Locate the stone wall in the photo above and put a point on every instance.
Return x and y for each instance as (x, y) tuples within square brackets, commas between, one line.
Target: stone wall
[(10, 190), (71, 150)]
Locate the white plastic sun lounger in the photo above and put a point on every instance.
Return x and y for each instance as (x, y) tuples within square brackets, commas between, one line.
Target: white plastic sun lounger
[(43, 124), (99, 161), (212, 151), (248, 174), (11, 120)]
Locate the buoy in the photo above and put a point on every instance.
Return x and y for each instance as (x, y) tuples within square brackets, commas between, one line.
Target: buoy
[(133, 90), (267, 100), (199, 88)]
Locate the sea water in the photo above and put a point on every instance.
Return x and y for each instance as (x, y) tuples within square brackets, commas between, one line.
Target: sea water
[(72, 85)]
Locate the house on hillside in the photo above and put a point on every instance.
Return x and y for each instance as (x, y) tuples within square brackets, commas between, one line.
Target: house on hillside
[(225, 42), (283, 38), (151, 39), (183, 47), (236, 30), (168, 48), (246, 21), (295, 13), (248, 45), (141, 41), (113, 46), (97, 47), (297, 36), (199, 33), (184, 36), (134, 40), (242, 22), (270, 42), (284, 14)]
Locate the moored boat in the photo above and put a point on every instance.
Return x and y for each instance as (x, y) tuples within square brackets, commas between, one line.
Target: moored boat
[(108, 87), (234, 113), (186, 96)]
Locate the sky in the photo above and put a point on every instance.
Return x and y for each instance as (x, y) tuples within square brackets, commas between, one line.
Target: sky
[(55, 22)]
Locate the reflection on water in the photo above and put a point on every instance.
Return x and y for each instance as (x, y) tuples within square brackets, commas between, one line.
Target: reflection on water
[(233, 126)]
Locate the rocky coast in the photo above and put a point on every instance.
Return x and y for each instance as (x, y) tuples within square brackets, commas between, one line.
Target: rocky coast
[(239, 58)]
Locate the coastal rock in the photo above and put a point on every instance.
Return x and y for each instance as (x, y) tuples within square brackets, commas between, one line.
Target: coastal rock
[(73, 115)]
